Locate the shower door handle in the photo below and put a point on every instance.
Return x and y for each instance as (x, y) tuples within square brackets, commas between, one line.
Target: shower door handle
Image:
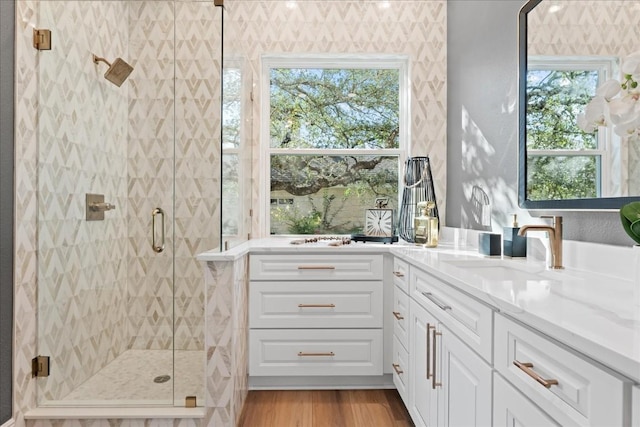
[(157, 247)]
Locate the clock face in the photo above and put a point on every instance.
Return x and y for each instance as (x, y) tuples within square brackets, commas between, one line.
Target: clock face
[(379, 222)]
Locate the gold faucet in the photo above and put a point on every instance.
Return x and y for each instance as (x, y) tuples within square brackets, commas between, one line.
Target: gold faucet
[(555, 238)]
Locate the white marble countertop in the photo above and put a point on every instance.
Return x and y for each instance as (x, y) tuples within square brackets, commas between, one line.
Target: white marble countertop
[(596, 314), (283, 244), (592, 306)]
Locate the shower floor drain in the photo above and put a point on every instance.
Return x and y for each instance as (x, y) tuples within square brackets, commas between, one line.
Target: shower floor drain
[(162, 379)]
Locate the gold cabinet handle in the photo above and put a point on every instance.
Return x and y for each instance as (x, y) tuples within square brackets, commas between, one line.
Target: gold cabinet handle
[(316, 267), (434, 383), (397, 315), (316, 305), (429, 327), (434, 300), (526, 367), (303, 354), (398, 274), (396, 368)]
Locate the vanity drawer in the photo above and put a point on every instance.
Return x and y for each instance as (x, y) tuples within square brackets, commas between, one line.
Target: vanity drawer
[(401, 316), (511, 408), (463, 315), (400, 365), (315, 304), (316, 267), (401, 274), (293, 352), (585, 394)]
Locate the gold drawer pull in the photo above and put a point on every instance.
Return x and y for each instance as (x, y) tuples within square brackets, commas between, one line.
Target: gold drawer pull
[(396, 368), (398, 315), (437, 302), (330, 353), (434, 383), (428, 365), (526, 367), (316, 267), (316, 305), (398, 274)]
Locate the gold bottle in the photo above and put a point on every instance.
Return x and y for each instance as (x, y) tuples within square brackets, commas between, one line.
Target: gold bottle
[(433, 232), (421, 224)]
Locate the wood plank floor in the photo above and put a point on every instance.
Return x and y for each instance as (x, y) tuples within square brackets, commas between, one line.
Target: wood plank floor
[(324, 408)]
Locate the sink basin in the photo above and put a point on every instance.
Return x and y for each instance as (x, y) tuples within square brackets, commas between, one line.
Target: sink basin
[(501, 270)]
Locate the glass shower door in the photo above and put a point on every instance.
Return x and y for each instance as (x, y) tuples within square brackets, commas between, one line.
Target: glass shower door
[(126, 199)]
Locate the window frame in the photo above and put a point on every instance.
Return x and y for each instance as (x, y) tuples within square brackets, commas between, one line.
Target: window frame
[(230, 239), (606, 139), (335, 61)]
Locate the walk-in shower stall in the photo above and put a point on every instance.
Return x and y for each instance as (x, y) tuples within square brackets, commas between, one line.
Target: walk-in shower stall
[(129, 191)]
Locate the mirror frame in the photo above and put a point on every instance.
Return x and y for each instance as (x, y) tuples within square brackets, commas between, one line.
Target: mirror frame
[(604, 203)]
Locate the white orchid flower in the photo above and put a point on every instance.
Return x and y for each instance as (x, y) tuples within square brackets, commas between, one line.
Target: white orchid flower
[(623, 109), (608, 89), (629, 127), (631, 64), (594, 115), (585, 124)]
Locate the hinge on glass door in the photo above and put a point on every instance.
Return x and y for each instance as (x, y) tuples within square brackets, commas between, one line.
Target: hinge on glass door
[(218, 3), (42, 39), (190, 402), (40, 366)]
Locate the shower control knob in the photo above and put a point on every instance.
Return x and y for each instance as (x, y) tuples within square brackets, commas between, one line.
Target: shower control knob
[(102, 207)]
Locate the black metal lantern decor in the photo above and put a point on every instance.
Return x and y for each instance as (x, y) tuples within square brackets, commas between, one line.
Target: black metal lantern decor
[(418, 187)]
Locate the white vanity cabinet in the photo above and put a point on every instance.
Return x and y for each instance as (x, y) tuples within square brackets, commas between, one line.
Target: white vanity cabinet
[(450, 383), (568, 388), (400, 356), (423, 398), (315, 314)]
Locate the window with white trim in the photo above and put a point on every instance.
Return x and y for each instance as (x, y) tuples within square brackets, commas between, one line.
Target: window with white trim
[(563, 162), (334, 133)]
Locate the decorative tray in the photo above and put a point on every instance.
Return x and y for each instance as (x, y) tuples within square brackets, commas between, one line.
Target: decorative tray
[(377, 239)]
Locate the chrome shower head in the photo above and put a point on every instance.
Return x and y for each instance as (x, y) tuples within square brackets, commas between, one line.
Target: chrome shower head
[(118, 71)]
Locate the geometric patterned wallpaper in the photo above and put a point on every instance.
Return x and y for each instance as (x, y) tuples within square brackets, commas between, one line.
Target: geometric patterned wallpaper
[(591, 28), (413, 28)]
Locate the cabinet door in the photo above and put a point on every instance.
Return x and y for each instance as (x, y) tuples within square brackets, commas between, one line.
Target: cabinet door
[(400, 315), (422, 397), (511, 409), (401, 373), (465, 378)]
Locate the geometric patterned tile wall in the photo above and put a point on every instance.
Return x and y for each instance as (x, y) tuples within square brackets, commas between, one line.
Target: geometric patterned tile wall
[(414, 28), (150, 178), (82, 313), (589, 28), (197, 161), (101, 289), (226, 342), (172, 38), (25, 269), (95, 156)]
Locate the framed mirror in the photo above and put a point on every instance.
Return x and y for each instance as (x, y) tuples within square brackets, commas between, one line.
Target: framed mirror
[(566, 50)]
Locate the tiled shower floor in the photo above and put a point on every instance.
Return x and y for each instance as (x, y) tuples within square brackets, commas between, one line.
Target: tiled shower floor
[(130, 378)]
